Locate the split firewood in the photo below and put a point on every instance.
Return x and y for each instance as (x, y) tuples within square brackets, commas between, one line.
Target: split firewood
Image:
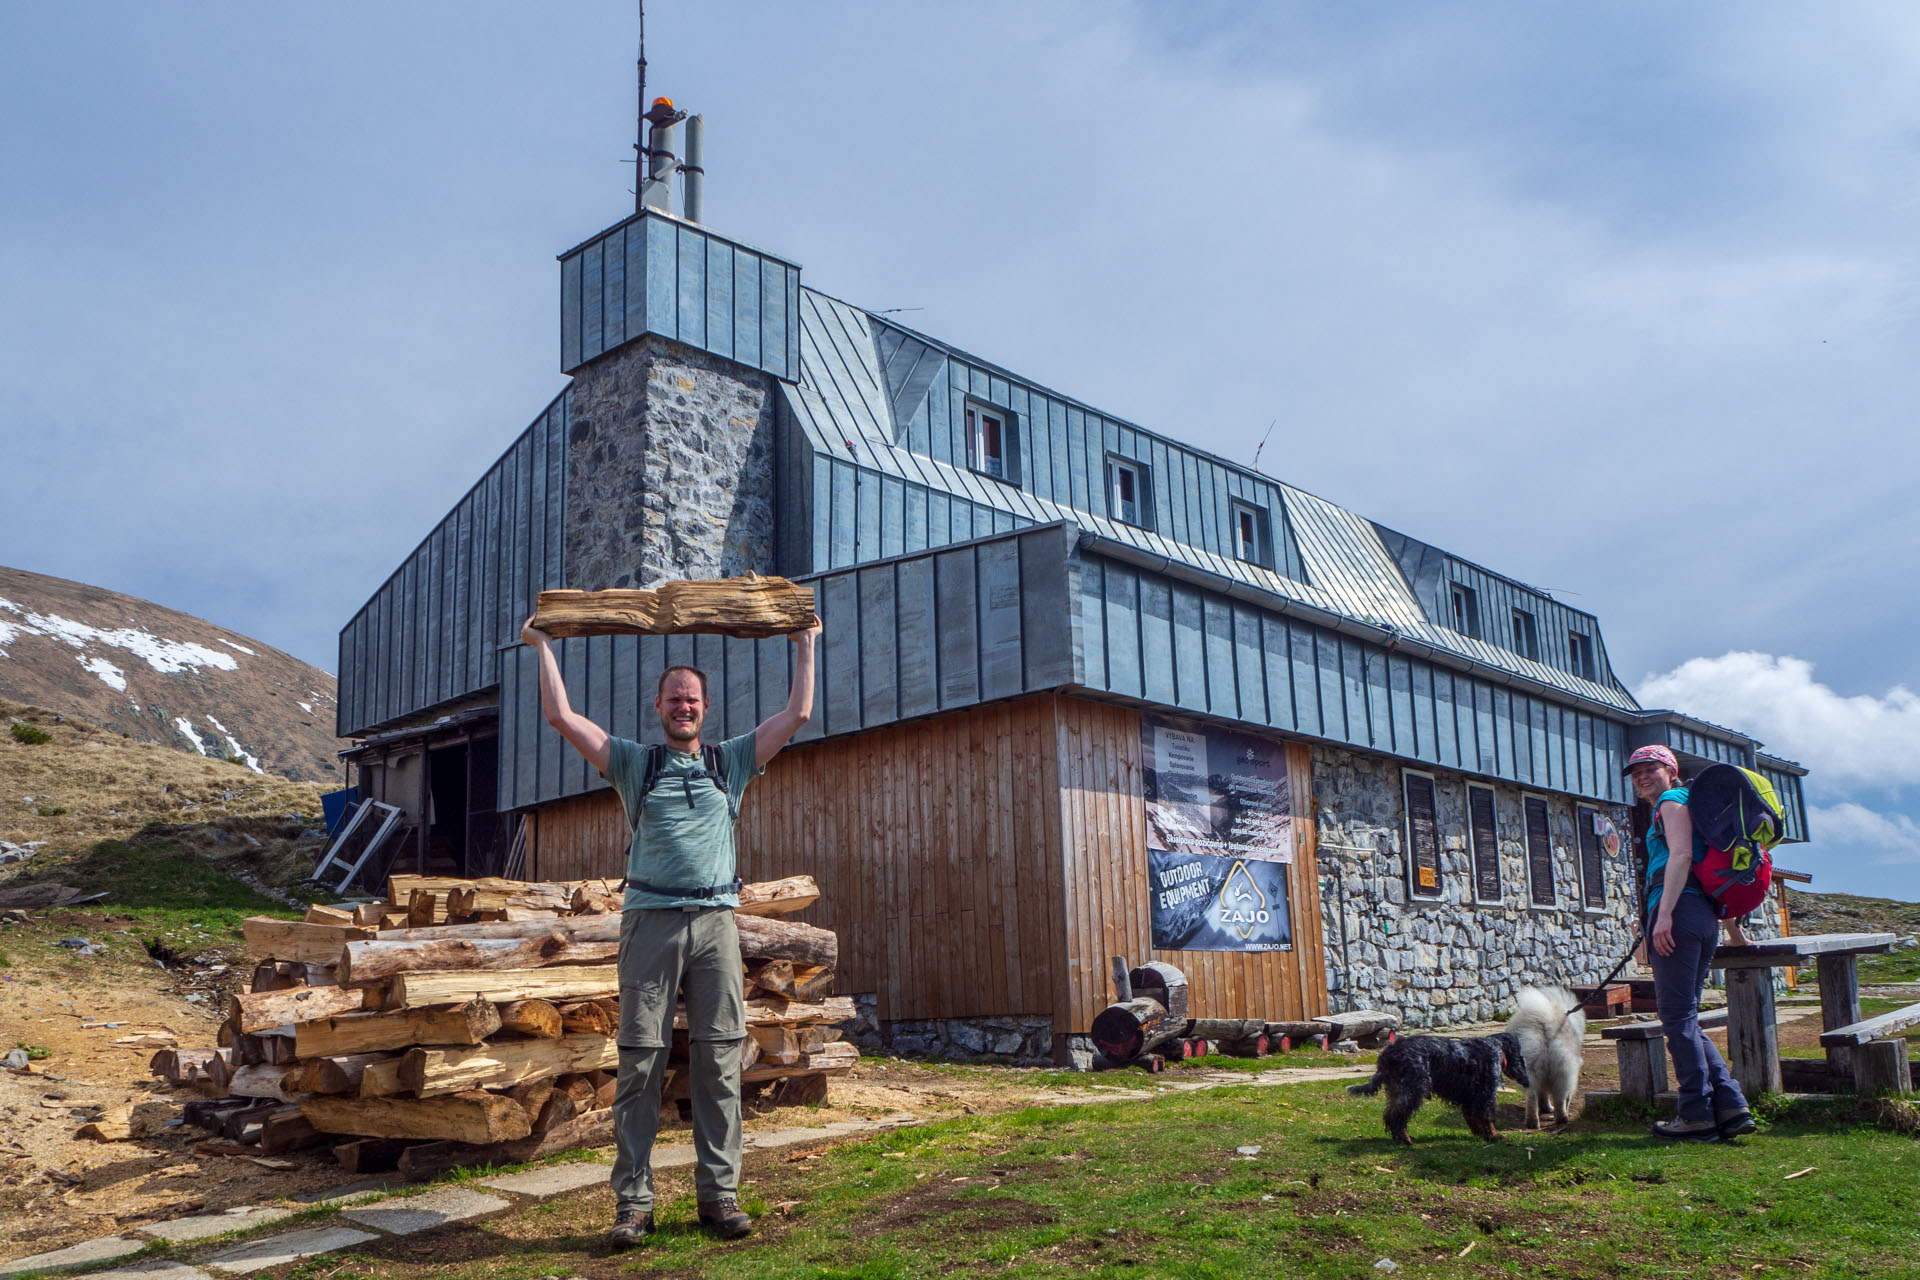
[(775, 977), (286, 1129), (380, 958), (768, 1013), (812, 982), (475, 1116), (297, 940), (591, 1017), (339, 1074), (559, 1108), (261, 1010), (265, 1082), (468, 1023), (567, 982), (431, 1072), (539, 1018), (382, 1079), (750, 607), (533, 1097), (428, 907), (319, 914), (431, 1159), (778, 1045), (370, 914), (778, 897), (115, 1125), (761, 937), (578, 1086)]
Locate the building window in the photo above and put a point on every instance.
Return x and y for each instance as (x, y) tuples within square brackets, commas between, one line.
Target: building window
[(1423, 836), (1580, 655), (1526, 635), (1592, 829), (1486, 845), (1466, 610), (1251, 541), (992, 443), (1539, 853), (1130, 492)]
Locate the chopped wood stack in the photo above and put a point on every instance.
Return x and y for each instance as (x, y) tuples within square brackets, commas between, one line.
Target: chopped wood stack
[(488, 1030), (750, 607)]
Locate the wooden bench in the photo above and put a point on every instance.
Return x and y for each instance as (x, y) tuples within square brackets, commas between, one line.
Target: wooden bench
[(1610, 1001), (1879, 1057), (1641, 1049)]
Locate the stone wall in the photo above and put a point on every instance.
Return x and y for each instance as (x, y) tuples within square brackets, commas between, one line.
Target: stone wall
[(1441, 961), (669, 468), (1017, 1041)]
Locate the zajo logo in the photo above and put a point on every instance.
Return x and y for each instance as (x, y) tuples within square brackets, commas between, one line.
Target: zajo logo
[(1242, 906)]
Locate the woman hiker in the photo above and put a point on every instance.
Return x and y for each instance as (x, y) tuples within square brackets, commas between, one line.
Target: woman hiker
[(1685, 929)]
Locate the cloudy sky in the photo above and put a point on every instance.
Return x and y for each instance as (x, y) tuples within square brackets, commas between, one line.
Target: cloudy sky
[(1617, 299)]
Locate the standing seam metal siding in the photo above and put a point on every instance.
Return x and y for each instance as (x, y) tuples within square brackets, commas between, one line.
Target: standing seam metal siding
[(906, 637), (656, 274), (433, 631), (1162, 641)]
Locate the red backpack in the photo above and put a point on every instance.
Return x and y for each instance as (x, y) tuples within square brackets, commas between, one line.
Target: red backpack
[(1735, 813)]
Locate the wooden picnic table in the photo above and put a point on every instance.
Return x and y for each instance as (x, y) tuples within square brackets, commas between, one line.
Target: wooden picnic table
[(1753, 1040)]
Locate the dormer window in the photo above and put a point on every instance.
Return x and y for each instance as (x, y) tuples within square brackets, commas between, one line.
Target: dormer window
[(1580, 655), (1251, 541), (1526, 635), (992, 443), (1466, 610), (1129, 492)]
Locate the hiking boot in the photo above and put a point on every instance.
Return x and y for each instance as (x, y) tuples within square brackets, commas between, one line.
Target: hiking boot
[(1687, 1130), (725, 1218), (1734, 1124), (630, 1227)]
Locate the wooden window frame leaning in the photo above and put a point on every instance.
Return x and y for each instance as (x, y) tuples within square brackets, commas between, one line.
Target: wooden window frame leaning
[(1473, 851), (972, 415), (1583, 816), (1526, 841), (1142, 491), (1414, 894), (1240, 508)]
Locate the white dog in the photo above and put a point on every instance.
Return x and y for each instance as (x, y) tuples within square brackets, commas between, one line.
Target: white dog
[(1550, 1039)]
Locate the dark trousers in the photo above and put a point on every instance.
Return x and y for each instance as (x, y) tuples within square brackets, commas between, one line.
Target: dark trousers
[(1705, 1086)]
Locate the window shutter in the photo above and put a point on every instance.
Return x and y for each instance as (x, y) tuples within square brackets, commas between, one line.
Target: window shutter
[(1486, 844), (1539, 853), (1423, 845), (1593, 882)]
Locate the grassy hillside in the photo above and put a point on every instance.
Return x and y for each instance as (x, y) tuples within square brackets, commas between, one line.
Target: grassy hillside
[(1850, 913)]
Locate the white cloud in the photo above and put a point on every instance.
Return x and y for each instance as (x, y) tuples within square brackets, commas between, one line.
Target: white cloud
[(1895, 838), (1846, 741)]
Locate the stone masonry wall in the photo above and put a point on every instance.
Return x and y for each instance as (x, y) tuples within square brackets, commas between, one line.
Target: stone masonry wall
[(1441, 961), (669, 468), (1015, 1040)]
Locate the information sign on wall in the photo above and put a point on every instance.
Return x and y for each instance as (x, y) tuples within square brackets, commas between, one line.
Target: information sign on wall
[(1219, 838)]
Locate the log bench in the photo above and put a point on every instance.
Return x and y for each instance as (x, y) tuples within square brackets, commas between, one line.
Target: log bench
[(1879, 1057), (1641, 1049)]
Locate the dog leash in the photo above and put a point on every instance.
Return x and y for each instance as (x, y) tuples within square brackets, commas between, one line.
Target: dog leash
[(1611, 975)]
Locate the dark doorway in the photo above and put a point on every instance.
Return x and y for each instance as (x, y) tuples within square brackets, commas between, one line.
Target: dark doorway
[(447, 834)]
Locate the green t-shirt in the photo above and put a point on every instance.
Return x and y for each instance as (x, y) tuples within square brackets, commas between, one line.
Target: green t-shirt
[(684, 836)]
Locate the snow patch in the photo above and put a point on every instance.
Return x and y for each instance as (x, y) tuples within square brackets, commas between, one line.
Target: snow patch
[(305, 706), (163, 655), (235, 749), (110, 675), (180, 723), (231, 645), (222, 728)]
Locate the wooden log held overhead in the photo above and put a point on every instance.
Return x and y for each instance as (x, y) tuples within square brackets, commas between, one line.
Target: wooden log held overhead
[(1125, 1031), (749, 608)]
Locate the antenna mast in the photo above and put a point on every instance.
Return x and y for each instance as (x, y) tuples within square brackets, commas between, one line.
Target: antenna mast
[(641, 167)]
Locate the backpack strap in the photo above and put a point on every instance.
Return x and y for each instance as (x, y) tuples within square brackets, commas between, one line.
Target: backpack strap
[(710, 761)]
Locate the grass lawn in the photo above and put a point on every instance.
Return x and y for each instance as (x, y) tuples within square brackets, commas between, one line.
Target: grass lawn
[(1869, 1007), (1159, 1189)]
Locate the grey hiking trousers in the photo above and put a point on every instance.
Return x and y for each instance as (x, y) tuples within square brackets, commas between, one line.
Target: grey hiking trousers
[(662, 953)]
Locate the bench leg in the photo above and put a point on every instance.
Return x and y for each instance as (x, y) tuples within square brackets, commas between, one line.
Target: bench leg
[(1643, 1067), (1753, 1042), (1880, 1066), (1839, 1005)]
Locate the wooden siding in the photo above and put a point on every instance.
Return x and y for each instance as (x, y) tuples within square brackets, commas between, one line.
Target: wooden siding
[(656, 274), (1150, 637), (981, 863), (432, 633), (905, 638), (1104, 847)]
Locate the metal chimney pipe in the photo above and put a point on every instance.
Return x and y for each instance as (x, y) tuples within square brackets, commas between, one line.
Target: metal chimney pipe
[(657, 191), (696, 176)]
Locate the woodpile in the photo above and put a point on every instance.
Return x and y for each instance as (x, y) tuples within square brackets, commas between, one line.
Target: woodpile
[(470, 1021), (751, 607), (1147, 1025)]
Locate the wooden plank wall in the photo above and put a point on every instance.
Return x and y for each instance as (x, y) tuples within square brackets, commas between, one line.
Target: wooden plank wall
[(936, 845), (1104, 825)]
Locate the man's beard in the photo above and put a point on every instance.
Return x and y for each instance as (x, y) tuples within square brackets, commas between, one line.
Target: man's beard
[(681, 730)]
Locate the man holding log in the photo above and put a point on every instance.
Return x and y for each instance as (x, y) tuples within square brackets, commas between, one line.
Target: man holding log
[(677, 928)]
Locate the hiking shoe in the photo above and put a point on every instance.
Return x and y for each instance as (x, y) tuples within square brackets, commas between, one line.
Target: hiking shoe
[(1687, 1130), (1734, 1124), (725, 1218), (630, 1227)]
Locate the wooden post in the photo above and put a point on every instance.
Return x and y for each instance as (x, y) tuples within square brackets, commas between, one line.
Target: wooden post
[(1122, 982), (1839, 1004), (1753, 1045), (1880, 1066), (1643, 1067)]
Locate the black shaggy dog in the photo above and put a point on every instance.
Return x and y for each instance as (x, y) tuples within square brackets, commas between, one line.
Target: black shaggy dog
[(1463, 1072)]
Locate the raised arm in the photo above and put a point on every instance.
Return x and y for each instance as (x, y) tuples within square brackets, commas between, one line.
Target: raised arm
[(588, 738), (778, 729)]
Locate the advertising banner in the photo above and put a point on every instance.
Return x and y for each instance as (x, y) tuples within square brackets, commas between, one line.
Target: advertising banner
[(1219, 838)]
